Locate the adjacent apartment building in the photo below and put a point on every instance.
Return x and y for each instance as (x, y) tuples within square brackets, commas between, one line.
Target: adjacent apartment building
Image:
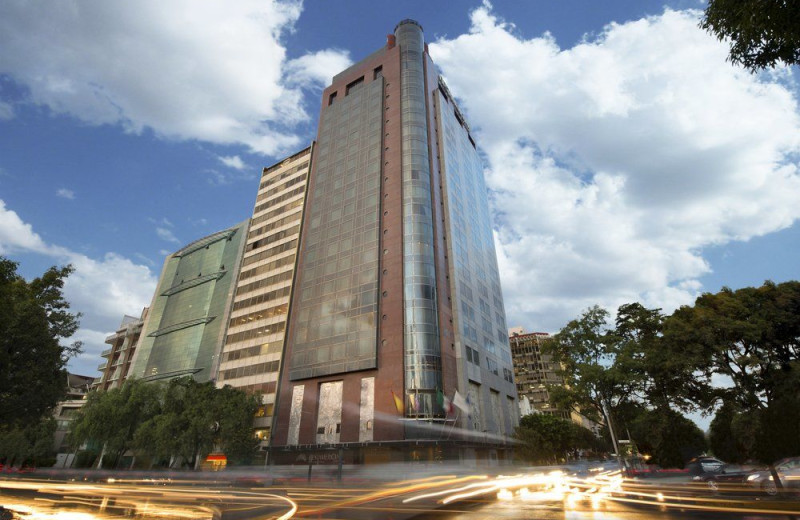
[(397, 302), (534, 371), (119, 356), (253, 348)]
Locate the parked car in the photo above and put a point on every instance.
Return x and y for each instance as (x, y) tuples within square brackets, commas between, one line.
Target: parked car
[(788, 471), (728, 477)]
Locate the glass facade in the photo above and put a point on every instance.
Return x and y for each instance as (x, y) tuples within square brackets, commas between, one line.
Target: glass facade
[(423, 366), (186, 324), (478, 312), (335, 302)]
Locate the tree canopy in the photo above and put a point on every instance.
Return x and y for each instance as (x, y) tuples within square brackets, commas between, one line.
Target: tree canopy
[(546, 439), (735, 351), (34, 318), (181, 420), (762, 33)]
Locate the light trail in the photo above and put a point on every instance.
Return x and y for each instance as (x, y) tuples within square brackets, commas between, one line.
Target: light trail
[(116, 499), (555, 490)]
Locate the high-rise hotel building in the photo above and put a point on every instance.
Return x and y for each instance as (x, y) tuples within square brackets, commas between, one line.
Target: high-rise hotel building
[(362, 298), (397, 302)]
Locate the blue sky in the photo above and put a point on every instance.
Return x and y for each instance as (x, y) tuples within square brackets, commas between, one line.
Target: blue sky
[(627, 160)]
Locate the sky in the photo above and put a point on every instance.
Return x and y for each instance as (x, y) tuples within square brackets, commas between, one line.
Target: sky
[(626, 159)]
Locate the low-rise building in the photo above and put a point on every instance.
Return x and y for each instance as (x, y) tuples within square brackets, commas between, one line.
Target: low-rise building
[(117, 358), (77, 390)]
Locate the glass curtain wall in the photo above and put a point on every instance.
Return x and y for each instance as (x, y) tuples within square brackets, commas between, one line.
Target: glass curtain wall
[(423, 374)]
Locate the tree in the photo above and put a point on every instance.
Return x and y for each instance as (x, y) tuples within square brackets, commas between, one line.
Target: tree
[(34, 317), (546, 438), (667, 436), (196, 417), (667, 369), (112, 418), (586, 355), (748, 336), (180, 421), (235, 434), (762, 32), (31, 444), (722, 436)]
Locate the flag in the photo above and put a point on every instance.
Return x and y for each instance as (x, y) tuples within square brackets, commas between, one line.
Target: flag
[(461, 403), (398, 403), (444, 402), (447, 404)]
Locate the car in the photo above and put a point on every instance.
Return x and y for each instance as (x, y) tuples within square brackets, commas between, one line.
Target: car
[(704, 465), (788, 471), (728, 477)]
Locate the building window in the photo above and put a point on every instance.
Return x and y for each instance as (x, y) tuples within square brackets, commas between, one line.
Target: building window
[(354, 86), (378, 72), (331, 99)]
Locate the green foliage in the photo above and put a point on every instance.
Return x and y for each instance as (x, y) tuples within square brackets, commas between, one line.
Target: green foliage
[(31, 444), (111, 418), (660, 373), (235, 433), (34, 317), (749, 335), (648, 367), (182, 419), (546, 439), (762, 33), (722, 439), (586, 359), (668, 437), (764, 435)]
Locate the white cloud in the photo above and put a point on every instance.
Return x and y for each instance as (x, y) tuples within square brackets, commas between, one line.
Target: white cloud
[(102, 289), (233, 161), (317, 68), (108, 288), (167, 235), (16, 235), (613, 163), (64, 193), (213, 73)]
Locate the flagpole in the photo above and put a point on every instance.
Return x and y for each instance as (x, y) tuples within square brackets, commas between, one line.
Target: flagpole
[(455, 421)]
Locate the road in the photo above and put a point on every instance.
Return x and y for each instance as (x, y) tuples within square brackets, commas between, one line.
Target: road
[(370, 493)]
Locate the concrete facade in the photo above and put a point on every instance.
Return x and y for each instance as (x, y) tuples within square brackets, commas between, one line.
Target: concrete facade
[(119, 356), (253, 349), (533, 371)]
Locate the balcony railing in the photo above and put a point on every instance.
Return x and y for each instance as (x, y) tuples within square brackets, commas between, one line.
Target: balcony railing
[(106, 352), (102, 366)]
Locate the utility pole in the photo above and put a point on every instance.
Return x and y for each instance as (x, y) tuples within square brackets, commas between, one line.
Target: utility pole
[(611, 429)]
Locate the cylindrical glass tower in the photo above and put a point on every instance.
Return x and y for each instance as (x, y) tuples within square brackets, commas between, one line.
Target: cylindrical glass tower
[(423, 375)]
